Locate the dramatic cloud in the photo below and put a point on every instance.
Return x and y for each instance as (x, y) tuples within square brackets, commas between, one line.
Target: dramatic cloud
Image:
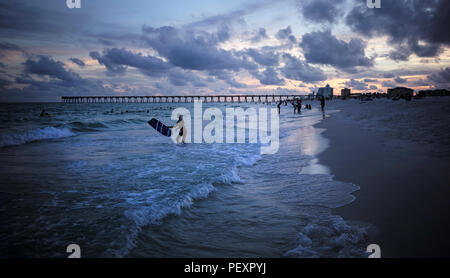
[(441, 77), (193, 50), (388, 84), (368, 80), (204, 50), (178, 77), (260, 35), (387, 75), (5, 46), (47, 66), (400, 80), (401, 53), (321, 10), (9, 46), (296, 69), (46, 79), (356, 85), (268, 77), (78, 62), (227, 77), (236, 84), (324, 48), (413, 26), (263, 58), (116, 61), (286, 34)]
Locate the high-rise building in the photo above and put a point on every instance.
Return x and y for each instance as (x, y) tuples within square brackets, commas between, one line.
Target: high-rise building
[(326, 92), (345, 93)]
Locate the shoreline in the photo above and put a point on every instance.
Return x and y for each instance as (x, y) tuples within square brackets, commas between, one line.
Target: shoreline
[(403, 190)]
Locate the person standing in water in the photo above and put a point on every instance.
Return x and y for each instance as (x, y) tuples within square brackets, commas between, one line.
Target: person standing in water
[(299, 105), (322, 103), (43, 113), (182, 133), (279, 107)]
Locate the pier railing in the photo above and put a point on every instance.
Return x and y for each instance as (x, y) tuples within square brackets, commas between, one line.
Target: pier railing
[(180, 99)]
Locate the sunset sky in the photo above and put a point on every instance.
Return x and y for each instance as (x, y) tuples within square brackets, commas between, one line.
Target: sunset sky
[(144, 47)]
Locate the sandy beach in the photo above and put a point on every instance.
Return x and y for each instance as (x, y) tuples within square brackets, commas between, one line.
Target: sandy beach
[(398, 154)]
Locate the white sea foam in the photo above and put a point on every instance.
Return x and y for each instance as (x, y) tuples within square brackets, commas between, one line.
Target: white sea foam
[(249, 160), (150, 207), (229, 177), (330, 236), (32, 135)]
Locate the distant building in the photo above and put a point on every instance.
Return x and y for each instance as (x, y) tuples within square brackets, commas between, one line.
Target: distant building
[(434, 93), (400, 92), (326, 92), (346, 93)]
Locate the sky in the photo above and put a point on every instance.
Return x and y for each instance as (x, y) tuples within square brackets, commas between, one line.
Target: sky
[(204, 47)]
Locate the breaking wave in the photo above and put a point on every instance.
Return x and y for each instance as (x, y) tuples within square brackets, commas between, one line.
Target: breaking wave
[(33, 135)]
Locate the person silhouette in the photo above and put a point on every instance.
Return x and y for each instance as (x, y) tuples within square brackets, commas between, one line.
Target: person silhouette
[(182, 132)]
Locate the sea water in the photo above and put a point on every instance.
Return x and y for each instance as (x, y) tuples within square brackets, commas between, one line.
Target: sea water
[(110, 183)]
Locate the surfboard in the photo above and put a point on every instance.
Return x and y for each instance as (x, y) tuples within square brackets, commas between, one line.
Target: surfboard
[(160, 127)]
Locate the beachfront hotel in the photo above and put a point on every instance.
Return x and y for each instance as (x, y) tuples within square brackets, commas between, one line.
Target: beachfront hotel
[(326, 92)]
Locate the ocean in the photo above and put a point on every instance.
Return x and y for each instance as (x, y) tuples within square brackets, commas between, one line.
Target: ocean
[(117, 188)]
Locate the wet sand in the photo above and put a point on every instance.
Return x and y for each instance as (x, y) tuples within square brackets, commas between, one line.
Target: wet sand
[(405, 191)]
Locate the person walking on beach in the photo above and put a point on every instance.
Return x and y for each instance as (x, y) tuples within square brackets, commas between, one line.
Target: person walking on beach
[(182, 133), (322, 103), (279, 107), (299, 105)]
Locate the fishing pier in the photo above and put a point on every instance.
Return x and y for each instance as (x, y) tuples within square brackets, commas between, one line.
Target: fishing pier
[(181, 99)]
